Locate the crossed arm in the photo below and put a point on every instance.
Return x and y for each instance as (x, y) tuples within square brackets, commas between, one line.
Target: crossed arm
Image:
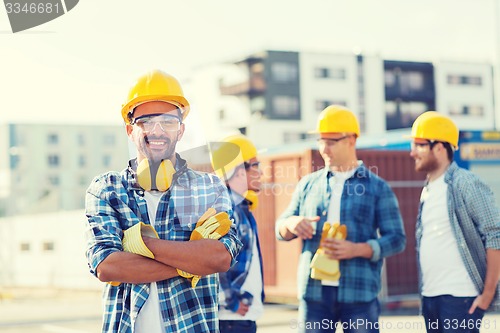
[(201, 257)]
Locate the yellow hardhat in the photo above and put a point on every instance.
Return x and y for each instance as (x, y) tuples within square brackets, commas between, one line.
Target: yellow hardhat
[(155, 86), (337, 119), (231, 152), (432, 125)]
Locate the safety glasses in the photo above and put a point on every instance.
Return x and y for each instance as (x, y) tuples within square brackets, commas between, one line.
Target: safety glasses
[(167, 122)]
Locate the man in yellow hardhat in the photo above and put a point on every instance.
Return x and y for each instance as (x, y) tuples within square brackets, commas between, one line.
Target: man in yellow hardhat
[(457, 232), (235, 161), (141, 221), (349, 221)]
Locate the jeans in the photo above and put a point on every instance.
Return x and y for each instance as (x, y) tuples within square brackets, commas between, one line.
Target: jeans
[(446, 313), (328, 314), (237, 326)]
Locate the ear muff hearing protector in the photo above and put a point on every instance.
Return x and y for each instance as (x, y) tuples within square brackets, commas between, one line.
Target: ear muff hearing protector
[(253, 198), (157, 176)]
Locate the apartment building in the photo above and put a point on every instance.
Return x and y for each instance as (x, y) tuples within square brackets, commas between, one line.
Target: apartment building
[(275, 96), (48, 167)]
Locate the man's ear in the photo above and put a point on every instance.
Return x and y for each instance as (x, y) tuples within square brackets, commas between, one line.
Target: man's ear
[(180, 133), (129, 128)]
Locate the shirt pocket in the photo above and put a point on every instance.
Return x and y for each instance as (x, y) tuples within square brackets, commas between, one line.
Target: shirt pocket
[(185, 222)]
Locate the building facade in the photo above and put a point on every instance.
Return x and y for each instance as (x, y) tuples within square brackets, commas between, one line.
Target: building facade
[(274, 97), (48, 167)]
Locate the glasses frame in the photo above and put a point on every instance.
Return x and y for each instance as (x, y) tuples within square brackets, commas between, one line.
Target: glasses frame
[(251, 165), (331, 141), (420, 145)]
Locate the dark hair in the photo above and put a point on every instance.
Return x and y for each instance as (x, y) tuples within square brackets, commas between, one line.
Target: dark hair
[(449, 150)]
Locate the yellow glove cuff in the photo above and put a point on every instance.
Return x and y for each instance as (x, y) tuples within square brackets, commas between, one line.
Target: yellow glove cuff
[(132, 240)]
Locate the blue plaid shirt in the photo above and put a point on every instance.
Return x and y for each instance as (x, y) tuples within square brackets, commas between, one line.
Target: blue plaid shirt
[(368, 208), (114, 203), (232, 280), (475, 221)]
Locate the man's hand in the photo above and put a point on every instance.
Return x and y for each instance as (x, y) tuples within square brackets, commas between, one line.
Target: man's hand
[(209, 226), (302, 226), (482, 301), (322, 266), (339, 249), (242, 309)]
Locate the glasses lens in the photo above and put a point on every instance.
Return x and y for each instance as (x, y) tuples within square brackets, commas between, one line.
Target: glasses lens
[(166, 122)]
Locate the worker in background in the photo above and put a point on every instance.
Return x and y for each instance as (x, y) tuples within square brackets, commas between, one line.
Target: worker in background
[(348, 219), (457, 232), (235, 160), (158, 231)]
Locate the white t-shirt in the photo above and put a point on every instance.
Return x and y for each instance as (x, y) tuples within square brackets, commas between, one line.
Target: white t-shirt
[(337, 186), (252, 284), (149, 318), (443, 271)]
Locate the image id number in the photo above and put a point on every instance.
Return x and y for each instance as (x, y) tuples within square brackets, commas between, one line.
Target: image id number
[(31, 8)]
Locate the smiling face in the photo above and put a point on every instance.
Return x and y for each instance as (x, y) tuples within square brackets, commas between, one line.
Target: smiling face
[(423, 154), (155, 137)]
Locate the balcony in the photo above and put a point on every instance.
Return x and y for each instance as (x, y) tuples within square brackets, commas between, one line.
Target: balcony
[(255, 86)]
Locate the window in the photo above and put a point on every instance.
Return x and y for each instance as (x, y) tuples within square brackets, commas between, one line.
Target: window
[(81, 139), (106, 160), (333, 73), (466, 110), (48, 246), (321, 72), (82, 161), (470, 80), (24, 247), (402, 114), (284, 72), (321, 104), (53, 160), (286, 107), (390, 78), (53, 139)]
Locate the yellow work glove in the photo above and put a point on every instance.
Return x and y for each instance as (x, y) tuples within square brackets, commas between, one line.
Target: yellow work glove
[(132, 241), (322, 267), (209, 226)]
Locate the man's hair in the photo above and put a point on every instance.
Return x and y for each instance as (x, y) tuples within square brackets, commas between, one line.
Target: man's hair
[(449, 150)]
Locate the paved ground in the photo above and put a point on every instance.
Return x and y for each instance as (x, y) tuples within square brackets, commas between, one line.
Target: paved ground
[(62, 311)]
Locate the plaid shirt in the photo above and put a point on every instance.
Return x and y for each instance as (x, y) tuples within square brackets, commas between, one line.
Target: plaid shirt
[(368, 208), (232, 280), (114, 203), (475, 221)]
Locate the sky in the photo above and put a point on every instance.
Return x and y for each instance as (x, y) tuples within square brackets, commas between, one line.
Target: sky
[(78, 68)]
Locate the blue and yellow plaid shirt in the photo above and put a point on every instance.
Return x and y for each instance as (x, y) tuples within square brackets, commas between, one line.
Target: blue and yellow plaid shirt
[(114, 203), (370, 211), (475, 221)]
